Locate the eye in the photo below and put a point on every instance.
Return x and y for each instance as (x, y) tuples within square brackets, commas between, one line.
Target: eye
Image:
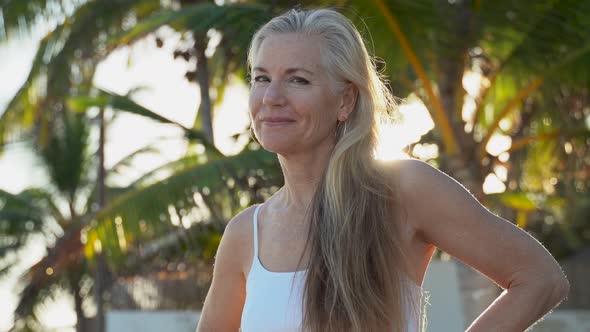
[(261, 78), (298, 80)]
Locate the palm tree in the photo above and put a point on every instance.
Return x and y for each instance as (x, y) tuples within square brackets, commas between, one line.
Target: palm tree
[(524, 54), (430, 47), (529, 58), (75, 43), (40, 211), (65, 60), (196, 188), (435, 45)]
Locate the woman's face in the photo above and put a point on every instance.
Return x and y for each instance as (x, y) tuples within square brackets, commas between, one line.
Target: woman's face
[(293, 107)]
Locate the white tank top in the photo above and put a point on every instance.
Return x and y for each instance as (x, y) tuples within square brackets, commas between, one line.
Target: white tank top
[(273, 299)]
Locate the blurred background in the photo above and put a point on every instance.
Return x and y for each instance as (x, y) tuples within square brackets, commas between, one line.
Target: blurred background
[(125, 145)]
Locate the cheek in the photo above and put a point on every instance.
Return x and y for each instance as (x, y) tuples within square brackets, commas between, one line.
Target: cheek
[(325, 114), (254, 102), (254, 106)]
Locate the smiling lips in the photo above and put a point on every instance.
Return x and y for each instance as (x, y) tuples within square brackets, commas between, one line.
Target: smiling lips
[(277, 121)]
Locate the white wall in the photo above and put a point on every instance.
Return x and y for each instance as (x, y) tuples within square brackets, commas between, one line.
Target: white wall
[(441, 299), (151, 321), (564, 321), (444, 311)]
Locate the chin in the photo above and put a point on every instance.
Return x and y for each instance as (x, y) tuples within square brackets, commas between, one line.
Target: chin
[(276, 148), (281, 146)]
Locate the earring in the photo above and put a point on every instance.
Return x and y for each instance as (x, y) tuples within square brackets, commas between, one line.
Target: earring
[(340, 124)]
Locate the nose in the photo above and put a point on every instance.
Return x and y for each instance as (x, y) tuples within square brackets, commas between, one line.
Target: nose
[(274, 95)]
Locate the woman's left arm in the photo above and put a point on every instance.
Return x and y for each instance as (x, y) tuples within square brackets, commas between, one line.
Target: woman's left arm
[(447, 216)]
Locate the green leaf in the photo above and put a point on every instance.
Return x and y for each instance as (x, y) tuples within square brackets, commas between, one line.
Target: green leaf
[(516, 200), (125, 104), (65, 62), (144, 214)]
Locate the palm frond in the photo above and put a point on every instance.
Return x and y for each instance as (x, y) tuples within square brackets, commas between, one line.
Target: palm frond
[(66, 156), (199, 17), (235, 22), (22, 111), (128, 160), (126, 104), (581, 132), (214, 191), (552, 49), (52, 270), (186, 162), (154, 175), (439, 114), (22, 216), (65, 63), (19, 17), (557, 29)]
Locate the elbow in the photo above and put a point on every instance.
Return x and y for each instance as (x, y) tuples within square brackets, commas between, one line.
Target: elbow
[(555, 289), (550, 288), (561, 288)]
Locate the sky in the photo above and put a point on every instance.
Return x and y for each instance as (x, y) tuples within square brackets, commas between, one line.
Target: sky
[(167, 93)]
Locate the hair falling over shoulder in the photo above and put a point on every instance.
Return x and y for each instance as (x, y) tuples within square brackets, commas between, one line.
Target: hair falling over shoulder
[(357, 267)]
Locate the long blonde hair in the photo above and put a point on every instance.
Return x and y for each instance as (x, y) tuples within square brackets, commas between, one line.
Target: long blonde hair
[(357, 268)]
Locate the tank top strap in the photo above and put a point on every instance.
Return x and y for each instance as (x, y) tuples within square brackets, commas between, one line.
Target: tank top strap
[(255, 220)]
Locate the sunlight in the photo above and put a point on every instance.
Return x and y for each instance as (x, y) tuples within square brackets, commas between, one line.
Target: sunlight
[(425, 151), (120, 233), (468, 111), (16, 159), (493, 185), (149, 74), (56, 313), (394, 137), (498, 144), (35, 250), (504, 157), (472, 82), (501, 172), (231, 118), (163, 90)]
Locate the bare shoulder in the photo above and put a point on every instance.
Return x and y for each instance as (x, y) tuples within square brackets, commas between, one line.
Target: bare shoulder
[(241, 224), (237, 236), (410, 172), (415, 180), (224, 302), (426, 195)]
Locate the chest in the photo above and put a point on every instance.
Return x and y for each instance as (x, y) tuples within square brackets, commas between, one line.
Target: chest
[(281, 245), (282, 239)]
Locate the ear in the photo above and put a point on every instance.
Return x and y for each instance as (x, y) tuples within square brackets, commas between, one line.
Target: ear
[(347, 101)]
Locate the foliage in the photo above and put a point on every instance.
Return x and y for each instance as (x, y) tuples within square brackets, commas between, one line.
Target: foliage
[(531, 60)]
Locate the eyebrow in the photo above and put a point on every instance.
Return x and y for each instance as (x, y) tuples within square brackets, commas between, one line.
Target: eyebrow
[(288, 71)]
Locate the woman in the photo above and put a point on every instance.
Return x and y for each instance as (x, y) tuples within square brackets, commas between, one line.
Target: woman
[(345, 243)]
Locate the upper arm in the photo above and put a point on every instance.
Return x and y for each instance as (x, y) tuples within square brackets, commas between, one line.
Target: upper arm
[(447, 216), (223, 305)]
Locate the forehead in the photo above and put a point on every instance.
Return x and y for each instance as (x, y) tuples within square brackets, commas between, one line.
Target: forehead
[(288, 50)]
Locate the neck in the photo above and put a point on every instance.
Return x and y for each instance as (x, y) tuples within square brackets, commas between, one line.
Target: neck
[(303, 172)]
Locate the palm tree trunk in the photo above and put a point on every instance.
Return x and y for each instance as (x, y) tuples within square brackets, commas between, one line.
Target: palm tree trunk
[(99, 279), (101, 171), (80, 318), (202, 78), (477, 291)]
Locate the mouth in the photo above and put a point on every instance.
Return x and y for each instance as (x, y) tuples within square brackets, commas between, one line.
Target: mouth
[(273, 122)]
